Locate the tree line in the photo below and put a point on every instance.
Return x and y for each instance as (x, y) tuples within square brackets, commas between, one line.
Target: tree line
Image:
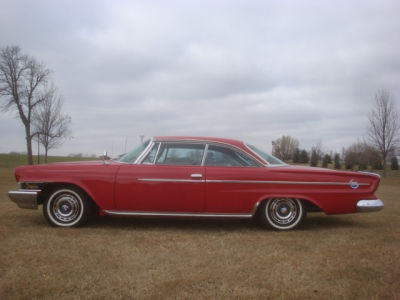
[(26, 88), (382, 143)]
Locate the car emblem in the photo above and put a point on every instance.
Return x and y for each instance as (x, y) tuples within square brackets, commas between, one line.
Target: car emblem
[(354, 184)]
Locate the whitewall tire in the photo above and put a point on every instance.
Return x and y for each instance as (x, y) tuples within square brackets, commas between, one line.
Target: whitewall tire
[(66, 207), (282, 213)]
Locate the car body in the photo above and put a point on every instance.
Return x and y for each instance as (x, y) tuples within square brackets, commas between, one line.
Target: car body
[(193, 177)]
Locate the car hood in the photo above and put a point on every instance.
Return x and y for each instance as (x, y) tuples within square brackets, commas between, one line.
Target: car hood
[(37, 172)]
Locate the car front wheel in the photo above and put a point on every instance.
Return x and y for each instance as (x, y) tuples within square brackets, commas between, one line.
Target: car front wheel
[(282, 213), (66, 207)]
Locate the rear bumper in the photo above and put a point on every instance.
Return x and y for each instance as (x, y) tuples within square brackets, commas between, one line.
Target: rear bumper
[(369, 205), (25, 198)]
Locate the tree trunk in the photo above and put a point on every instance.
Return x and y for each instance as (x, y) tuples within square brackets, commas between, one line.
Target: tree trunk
[(45, 155), (384, 167), (29, 144)]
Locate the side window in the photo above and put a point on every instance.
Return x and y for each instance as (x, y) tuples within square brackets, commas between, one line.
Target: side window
[(223, 156), (180, 154), (150, 157)]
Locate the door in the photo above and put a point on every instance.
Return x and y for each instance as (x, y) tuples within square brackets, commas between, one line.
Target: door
[(232, 180), (169, 179)]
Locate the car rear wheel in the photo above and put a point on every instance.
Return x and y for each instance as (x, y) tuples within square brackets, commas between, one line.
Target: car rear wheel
[(66, 207), (282, 213)]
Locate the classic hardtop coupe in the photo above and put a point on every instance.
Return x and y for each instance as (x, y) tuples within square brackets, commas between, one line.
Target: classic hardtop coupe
[(193, 177)]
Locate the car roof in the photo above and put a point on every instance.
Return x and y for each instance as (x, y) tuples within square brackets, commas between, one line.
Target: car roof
[(233, 142)]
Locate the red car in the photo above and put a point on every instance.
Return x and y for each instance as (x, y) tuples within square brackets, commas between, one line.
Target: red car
[(193, 177)]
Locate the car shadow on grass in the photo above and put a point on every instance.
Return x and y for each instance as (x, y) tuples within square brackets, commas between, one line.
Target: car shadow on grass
[(172, 223), (313, 222)]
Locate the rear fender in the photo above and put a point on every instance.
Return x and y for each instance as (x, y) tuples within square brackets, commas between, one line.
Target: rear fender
[(294, 196)]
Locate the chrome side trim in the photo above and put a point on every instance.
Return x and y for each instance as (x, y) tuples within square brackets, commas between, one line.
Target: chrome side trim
[(170, 180), (369, 205), (370, 173), (283, 182), (175, 214), (253, 181), (25, 198)]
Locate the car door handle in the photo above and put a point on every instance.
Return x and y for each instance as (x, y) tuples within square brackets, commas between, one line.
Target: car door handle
[(196, 176)]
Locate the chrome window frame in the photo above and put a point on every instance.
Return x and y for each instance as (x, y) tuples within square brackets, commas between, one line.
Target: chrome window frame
[(151, 148), (145, 152), (205, 155)]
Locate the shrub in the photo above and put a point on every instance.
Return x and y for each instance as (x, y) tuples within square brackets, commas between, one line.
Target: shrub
[(296, 156), (304, 157), (314, 158), (326, 160), (362, 166), (350, 159), (377, 165), (337, 161), (394, 163)]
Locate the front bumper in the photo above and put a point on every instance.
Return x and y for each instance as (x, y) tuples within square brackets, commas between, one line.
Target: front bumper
[(369, 205), (25, 198)]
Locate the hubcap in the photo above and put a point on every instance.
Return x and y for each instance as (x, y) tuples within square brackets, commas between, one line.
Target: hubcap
[(282, 211), (66, 208)]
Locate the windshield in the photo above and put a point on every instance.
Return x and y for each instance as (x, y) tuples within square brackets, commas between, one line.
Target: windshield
[(131, 157), (272, 160)]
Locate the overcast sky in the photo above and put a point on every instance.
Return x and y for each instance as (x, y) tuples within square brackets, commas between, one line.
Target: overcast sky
[(251, 70)]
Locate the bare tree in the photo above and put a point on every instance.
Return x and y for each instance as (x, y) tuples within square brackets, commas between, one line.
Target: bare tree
[(285, 147), (50, 125), (384, 126), (357, 154), (21, 82)]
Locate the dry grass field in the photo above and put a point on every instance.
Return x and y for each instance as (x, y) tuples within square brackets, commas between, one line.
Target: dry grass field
[(330, 257)]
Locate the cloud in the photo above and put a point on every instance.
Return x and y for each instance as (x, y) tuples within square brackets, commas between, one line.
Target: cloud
[(252, 70)]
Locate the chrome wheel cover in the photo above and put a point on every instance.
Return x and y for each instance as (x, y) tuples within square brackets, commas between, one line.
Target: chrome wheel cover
[(65, 208), (283, 211)]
